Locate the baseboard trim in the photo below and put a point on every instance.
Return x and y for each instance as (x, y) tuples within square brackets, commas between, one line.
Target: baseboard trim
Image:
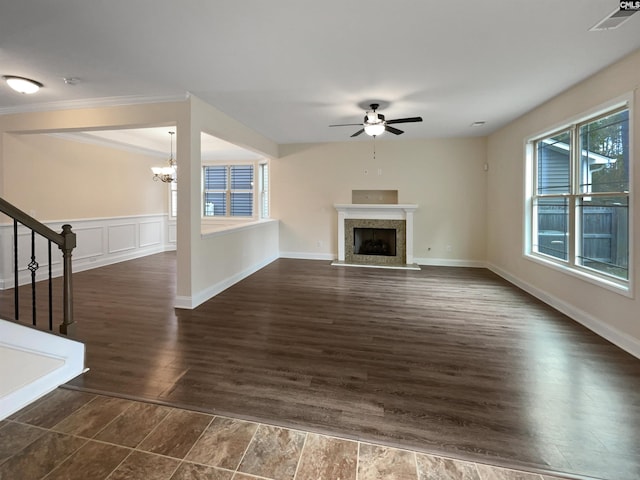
[(450, 262), (103, 262), (189, 303), (621, 339), (436, 262), (308, 256)]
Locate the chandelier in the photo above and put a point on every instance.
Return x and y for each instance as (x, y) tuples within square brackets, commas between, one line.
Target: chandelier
[(166, 174)]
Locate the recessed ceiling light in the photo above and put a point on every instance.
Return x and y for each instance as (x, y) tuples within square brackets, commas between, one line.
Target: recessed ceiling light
[(478, 124), (22, 85)]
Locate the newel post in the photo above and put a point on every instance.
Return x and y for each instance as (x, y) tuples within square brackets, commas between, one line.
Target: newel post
[(68, 326)]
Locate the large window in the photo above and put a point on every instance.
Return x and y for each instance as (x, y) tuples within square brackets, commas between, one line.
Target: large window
[(228, 190), (579, 203)]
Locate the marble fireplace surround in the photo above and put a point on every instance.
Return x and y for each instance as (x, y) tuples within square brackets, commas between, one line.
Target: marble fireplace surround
[(397, 216)]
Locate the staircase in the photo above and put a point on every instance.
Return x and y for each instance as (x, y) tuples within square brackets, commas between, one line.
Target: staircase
[(34, 362)]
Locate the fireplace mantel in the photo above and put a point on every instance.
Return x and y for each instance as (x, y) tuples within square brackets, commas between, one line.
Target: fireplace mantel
[(376, 212), (389, 210)]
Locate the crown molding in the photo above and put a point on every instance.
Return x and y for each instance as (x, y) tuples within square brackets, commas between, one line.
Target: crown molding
[(92, 103)]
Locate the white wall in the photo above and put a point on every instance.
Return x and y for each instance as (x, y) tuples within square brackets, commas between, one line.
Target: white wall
[(206, 263), (445, 177), (612, 315), (226, 257)]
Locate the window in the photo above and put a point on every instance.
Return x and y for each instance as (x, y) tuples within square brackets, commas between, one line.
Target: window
[(228, 190), (579, 216)]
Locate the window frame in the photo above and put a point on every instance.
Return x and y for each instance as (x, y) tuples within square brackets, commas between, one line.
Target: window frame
[(264, 190), (228, 191), (572, 266)]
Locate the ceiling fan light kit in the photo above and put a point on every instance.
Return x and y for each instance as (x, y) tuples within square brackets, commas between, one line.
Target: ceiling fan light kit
[(374, 123), (374, 129)]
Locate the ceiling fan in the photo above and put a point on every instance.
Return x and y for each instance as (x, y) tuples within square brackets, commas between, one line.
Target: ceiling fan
[(375, 123)]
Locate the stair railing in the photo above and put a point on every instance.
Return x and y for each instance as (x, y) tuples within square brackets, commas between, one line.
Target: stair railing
[(66, 241)]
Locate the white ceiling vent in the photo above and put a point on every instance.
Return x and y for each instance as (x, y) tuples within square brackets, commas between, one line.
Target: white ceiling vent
[(614, 20)]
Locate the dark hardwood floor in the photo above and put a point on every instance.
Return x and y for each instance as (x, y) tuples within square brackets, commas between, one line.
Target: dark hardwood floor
[(453, 361)]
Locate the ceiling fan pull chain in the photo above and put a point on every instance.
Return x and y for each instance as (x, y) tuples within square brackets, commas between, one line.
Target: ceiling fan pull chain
[(374, 148)]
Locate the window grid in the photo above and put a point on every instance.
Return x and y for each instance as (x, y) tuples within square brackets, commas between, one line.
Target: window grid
[(580, 196), (228, 190)]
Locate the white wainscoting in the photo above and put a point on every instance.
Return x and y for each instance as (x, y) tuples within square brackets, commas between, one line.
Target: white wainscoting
[(100, 241)]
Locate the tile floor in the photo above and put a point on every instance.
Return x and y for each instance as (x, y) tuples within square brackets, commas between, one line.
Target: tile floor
[(75, 435)]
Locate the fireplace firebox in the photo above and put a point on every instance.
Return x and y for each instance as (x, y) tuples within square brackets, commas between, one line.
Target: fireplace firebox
[(374, 241)]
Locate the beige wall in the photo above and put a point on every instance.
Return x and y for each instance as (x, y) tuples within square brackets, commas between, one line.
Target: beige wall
[(445, 177), (191, 117), (609, 313), (58, 179)]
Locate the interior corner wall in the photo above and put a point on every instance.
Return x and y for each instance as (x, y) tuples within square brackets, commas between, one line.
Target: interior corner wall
[(445, 177), (610, 314)]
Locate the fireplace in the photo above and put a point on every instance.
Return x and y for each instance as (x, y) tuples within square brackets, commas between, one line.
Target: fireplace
[(376, 235), (384, 239), (374, 241)]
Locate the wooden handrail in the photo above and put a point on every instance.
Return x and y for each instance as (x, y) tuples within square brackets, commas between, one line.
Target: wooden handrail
[(66, 241), (30, 222)]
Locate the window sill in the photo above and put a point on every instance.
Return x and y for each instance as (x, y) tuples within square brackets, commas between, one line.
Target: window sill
[(621, 288)]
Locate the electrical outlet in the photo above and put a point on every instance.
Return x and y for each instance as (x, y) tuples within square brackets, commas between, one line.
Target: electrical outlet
[(449, 248)]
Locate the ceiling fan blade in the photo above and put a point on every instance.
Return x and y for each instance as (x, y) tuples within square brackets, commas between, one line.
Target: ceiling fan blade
[(393, 130), (358, 132), (347, 125), (405, 120)]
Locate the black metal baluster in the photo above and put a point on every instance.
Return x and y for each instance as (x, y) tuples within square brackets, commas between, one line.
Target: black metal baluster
[(16, 298), (50, 293), (66, 241), (33, 266)]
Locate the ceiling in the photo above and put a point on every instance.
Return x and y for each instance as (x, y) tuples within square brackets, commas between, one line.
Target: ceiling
[(289, 68), (157, 142)]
